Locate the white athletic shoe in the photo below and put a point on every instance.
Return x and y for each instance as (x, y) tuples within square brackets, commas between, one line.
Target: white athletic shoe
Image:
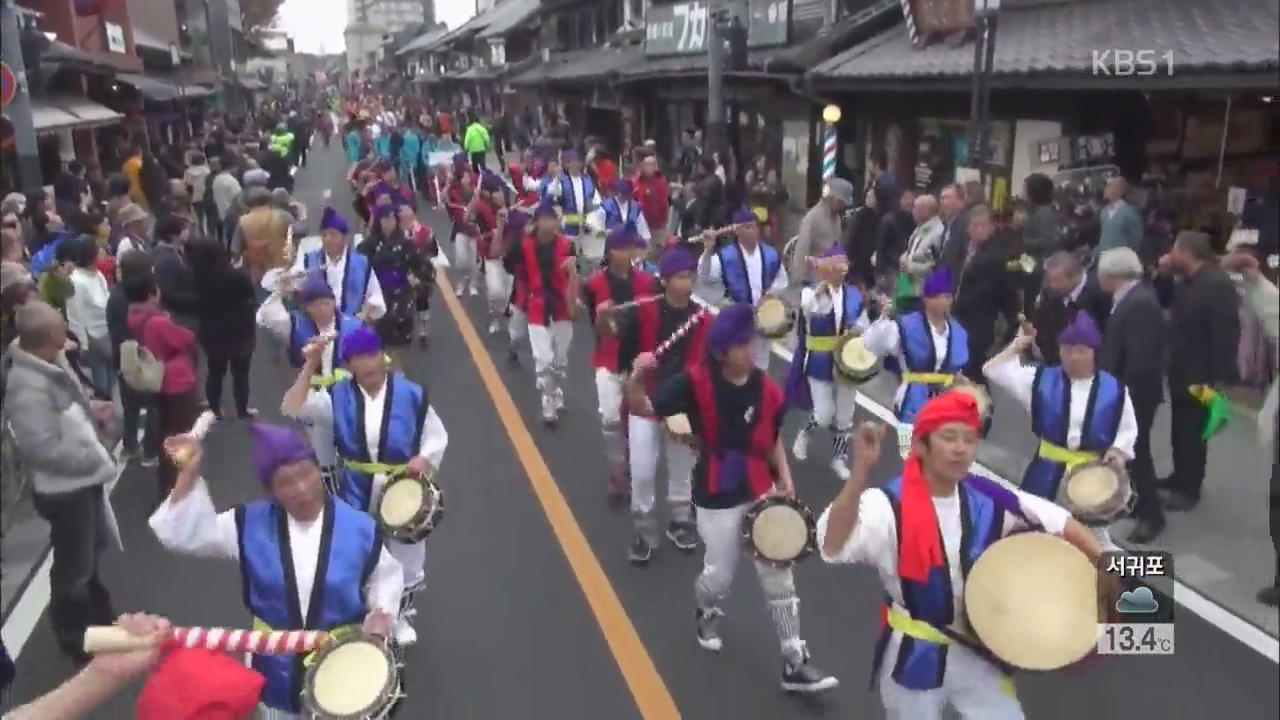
[(800, 449), (404, 633), (461, 289), (840, 466), (473, 291), (494, 327)]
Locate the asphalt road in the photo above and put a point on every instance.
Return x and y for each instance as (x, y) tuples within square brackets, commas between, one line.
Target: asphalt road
[(532, 611)]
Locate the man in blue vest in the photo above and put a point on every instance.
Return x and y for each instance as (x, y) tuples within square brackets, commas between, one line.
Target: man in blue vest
[(748, 269), (308, 561), (349, 274), (383, 426), (923, 531), (574, 193), (1079, 413), (619, 209)]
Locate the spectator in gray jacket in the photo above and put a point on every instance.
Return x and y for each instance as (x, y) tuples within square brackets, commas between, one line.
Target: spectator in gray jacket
[(1121, 225), (59, 439)]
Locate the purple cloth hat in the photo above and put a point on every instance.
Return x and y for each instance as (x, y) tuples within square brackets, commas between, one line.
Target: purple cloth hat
[(274, 447), (569, 154), (331, 220), (623, 186), (490, 182), (674, 261), (460, 161), (622, 237), (1082, 330), (743, 215), (836, 250), (361, 341), (735, 325), (314, 287), (546, 208), (937, 282), (382, 211)]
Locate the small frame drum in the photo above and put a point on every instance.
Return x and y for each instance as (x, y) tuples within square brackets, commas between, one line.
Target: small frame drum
[(354, 679), (1032, 601), (681, 429), (854, 362), (780, 530), (410, 508), (774, 317), (1097, 494)]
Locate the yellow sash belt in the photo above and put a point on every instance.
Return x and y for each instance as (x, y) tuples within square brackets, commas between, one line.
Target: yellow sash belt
[(324, 381), (1070, 458), (375, 468), (571, 219), (928, 378), (923, 631), (821, 343)]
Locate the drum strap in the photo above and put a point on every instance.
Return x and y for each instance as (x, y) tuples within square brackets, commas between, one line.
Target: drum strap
[(336, 634), (923, 631), (928, 378), (1071, 458), (375, 468), (821, 343)]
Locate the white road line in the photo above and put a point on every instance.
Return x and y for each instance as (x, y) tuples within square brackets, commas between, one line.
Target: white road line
[(1211, 612)]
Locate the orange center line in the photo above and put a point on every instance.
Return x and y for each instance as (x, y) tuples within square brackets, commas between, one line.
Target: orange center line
[(638, 670)]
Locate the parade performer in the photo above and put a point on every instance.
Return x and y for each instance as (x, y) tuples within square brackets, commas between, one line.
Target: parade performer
[(460, 195), (295, 537), (828, 310), (735, 411), (487, 214), (619, 209), (400, 266), (930, 344), (348, 272), (410, 149), (643, 329), (526, 185), (1079, 413), (434, 188), (383, 424), (574, 193), (544, 267), (423, 240), (748, 269), (618, 282), (923, 531)]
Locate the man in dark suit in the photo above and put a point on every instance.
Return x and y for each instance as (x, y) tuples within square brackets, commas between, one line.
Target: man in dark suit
[(1202, 352), (1066, 290), (954, 209), (984, 290), (1133, 349)]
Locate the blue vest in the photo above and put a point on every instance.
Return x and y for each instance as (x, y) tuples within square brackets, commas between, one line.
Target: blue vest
[(1051, 418), (819, 365), (569, 203), (349, 549), (404, 411), (302, 329), (613, 214), (733, 269), (921, 665), (915, 338), (355, 278)]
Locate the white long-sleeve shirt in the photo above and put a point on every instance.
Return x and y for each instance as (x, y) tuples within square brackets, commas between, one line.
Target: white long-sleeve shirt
[(596, 219), (710, 271), (1018, 380), (192, 526), (87, 308), (883, 339), (335, 271), (815, 304)]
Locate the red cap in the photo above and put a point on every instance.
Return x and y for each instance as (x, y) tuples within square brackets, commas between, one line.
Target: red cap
[(199, 684)]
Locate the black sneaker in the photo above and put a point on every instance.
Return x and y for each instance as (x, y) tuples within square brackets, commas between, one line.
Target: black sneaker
[(683, 536), (803, 677), (708, 624), (513, 358), (1270, 595), (640, 551)]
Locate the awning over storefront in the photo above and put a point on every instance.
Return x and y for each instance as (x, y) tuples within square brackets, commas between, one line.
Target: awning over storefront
[(249, 83), (66, 113), (150, 88), (687, 65), (60, 53), (1049, 45)]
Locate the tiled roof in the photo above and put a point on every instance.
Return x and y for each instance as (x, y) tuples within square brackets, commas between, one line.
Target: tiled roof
[(508, 16), (579, 65), (1202, 35), (424, 41), (689, 64)]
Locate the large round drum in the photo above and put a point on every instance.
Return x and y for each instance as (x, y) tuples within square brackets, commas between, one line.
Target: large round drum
[(410, 508), (1032, 600), (780, 530), (854, 362), (355, 679), (1098, 494), (774, 317)]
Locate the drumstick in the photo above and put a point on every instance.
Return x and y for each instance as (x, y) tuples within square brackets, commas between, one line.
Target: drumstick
[(645, 300), (111, 638), (680, 332), (183, 455)]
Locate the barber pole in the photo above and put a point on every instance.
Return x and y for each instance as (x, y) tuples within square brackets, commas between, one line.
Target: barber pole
[(829, 153)]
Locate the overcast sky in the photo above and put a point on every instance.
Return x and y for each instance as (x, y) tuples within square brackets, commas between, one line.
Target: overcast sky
[(317, 25)]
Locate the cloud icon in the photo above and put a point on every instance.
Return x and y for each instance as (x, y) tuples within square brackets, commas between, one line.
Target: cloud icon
[(1138, 601)]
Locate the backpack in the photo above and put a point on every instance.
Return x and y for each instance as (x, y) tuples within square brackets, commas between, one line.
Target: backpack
[(139, 368)]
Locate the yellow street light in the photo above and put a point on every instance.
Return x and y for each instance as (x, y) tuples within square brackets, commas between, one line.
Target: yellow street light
[(831, 114)]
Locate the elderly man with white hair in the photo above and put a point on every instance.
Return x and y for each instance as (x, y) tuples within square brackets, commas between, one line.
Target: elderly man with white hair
[(56, 425), (1133, 349)]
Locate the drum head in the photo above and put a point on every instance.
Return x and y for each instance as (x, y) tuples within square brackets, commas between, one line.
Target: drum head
[(771, 314), (1092, 486), (780, 533), (351, 679), (401, 501), (857, 359), (1032, 599), (679, 425)]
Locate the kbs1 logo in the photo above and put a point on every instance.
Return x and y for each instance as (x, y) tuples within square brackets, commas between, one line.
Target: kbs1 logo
[(1132, 63)]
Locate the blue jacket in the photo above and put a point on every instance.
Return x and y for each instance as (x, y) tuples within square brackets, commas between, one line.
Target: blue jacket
[(733, 270), (302, 329), (355, 278), (916, 340), (404, 412), (1051, 419)]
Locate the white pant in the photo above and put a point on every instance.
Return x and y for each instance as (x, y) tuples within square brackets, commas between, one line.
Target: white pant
[(413, 556), (721, 533), (550, 345), (647, 438), (833, 403), (465, 255), (497, 283), (764, 350), (609, 396), (973, 686), (518, 325)]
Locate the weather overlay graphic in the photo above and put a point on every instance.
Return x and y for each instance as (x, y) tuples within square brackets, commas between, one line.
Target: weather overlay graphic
[(1139, 588)]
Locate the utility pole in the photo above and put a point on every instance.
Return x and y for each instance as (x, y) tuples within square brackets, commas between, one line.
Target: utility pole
[(19, 109), (716, 129)]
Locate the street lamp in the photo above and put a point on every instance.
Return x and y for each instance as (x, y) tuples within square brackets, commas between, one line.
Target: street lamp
[(984, 50), (830, 116)]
